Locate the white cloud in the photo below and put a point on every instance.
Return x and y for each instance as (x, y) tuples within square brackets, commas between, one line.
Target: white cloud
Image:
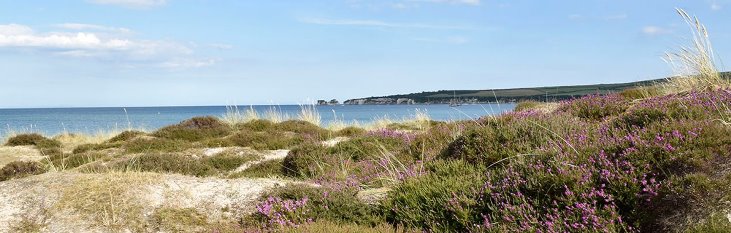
[(131, 3), (378, 23), (181, 63), (104, 46), (655, 31), (92, 27), (715, 6)]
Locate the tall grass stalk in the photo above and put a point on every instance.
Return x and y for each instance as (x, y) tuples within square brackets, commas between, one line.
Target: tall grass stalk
[(336, 123), (276, 115), (309, 113), (694, 64)]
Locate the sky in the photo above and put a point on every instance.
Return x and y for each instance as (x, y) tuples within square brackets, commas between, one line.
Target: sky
[(91, 53)]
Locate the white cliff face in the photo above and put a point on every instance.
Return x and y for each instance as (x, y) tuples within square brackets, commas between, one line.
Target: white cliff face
[(382, 101)]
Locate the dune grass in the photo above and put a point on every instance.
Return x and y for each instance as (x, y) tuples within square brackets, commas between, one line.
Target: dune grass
[(695, 64)]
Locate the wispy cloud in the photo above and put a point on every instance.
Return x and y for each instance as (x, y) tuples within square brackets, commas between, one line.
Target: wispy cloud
[(83, 43), (92, 27), (131, 3), (716, 7), (378, 23), (655, 30)]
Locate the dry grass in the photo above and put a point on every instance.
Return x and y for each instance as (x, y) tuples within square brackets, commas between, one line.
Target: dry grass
[(337, 123), (10, 154), (235, 116), (309, 113), (110, 199), (694, 64), (276, 115)]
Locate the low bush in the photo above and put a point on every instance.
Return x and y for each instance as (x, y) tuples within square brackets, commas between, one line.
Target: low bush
[(302, 161), (370, 147), (48, 147), (227, 162), (270, 140), (303, 127), (510, 135), (95, 147), (142, 145), (641, 92), (195, 129), (26, 140), (350, 131), (69, 161), (126, 136), (430, 144), (595, 107), (294, 205), (430, 202), (266, 169), (257, 125), (20, 169), (527, 105), (167, 163)]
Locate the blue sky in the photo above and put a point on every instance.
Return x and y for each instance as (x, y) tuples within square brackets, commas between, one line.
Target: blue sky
[(215, 52)]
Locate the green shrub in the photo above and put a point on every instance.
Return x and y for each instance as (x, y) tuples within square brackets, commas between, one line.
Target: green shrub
[(486, 145), (257, 125), (195, 129), (141, 145), (596, 107), (93, 147), (324, 204), (271, 140), (640, 92), (693, 198), (302, 161), (715, 223), (47, 146), (430, 144), (167, 163), (69, 161), (330, 227), (367, 147), (350, 131), (126, 136), (302, 127), (641, 117), (227, 162), (20, 169), (527, 105), (266, 169), (26, 140), (426, 202)]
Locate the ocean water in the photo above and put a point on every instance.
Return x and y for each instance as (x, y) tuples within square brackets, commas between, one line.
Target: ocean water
[(53, 121)]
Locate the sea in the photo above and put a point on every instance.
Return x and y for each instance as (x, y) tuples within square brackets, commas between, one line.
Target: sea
[(54, 121)]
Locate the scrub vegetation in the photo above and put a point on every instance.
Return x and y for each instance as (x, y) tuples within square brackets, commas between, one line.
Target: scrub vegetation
[(650, 159)]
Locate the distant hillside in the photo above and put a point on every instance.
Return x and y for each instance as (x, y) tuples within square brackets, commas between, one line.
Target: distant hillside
[(504, 95)]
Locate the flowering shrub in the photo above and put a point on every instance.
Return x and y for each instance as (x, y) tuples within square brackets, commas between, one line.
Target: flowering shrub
[(280, 213), (595, 107), (598, 164), (294, 205)]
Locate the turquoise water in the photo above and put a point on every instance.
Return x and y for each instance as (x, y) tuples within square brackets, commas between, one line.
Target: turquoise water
[(53, 121)]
